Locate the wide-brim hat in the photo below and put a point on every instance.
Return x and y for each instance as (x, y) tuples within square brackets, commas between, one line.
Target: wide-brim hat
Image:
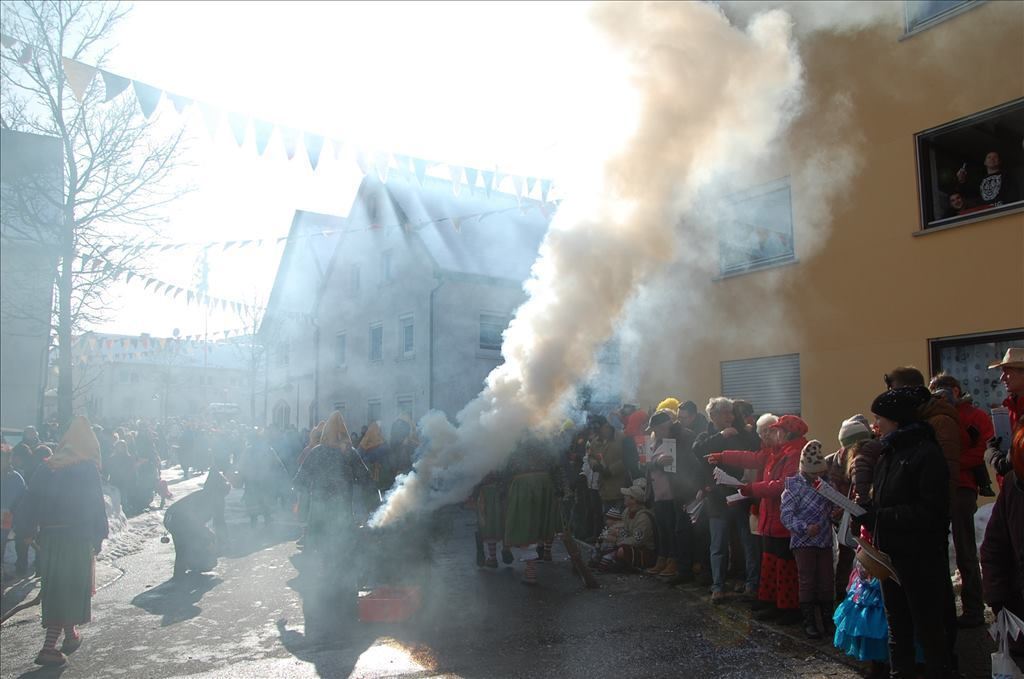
[(875, 561), (1014, 358), (635, 492)]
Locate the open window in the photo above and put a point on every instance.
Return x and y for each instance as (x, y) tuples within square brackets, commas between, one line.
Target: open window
[(922, 14), (972, 167), (967, 358), (756, 229)]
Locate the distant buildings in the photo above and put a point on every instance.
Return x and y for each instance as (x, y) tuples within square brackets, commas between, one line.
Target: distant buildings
[(31, 191), (121, 377)]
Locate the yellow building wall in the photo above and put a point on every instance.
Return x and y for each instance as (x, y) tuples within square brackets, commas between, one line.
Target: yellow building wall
[(877, 290)]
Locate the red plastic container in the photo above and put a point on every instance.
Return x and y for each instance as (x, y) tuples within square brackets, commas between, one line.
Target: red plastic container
[(389, 604)]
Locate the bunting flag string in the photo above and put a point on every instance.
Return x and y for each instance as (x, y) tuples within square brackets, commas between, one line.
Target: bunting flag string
[(80, 76), (137, 248)]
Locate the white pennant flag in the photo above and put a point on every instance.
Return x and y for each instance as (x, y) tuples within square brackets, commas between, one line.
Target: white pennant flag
[(79, 76), (456, 174), (471, 178), (517, 183), (383, 164), (211, 115)]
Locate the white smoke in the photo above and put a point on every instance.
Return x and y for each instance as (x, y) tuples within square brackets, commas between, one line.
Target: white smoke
[(714, 100)]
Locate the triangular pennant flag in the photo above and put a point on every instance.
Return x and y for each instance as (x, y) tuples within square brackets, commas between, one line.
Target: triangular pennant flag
[(177, 291), (238, 123), (158, 286), (488, 181), (419, 167), (79, 76), (290, 138), (545, 185), (180, 102), (85, 260), (471, 178), (314, 145), (26, 55), (228, 244), (339, 146), (148, 96), (456, 174), (211, 114), (189, 297), (362, 162), (263, 131), (128, 278), (499, 177), (517, 184), (383, 164), (530, 181), (7, 41), (457, 224)]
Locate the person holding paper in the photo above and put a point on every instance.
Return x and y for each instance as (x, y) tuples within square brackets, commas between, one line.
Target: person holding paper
[(909, 519), (779, 457), (1002, 550), (672, 491), (1012, 367)]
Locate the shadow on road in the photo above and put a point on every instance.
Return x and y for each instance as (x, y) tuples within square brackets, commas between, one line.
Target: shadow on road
[(176, 600), (44, 673), (244, 539), (17, 593)]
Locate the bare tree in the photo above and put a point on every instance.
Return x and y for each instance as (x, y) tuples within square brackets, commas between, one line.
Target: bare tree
[(254, 347), (116, 166)]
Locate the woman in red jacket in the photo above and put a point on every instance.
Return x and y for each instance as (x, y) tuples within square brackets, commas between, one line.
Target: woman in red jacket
[(779, 458)]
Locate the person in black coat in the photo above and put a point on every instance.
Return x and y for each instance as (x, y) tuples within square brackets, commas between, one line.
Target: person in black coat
[(195, 546), (909, 518)]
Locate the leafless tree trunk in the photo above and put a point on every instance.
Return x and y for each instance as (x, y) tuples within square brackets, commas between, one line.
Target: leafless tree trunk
[(117, 166)]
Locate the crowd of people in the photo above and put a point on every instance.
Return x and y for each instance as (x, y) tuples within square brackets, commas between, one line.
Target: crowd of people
[(851, 544)]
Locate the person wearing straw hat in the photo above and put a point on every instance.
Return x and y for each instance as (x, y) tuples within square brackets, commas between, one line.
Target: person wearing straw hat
[(909, 516), (1012, 367), (64, 507)]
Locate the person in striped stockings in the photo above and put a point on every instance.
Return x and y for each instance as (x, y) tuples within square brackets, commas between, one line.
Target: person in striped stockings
[(532, 510)]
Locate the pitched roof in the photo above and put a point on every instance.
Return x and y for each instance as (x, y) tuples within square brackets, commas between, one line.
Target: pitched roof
[(312, 241), (496, 238)]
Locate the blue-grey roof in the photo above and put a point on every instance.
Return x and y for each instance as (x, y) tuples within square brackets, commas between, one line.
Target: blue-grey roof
[(499, 245)]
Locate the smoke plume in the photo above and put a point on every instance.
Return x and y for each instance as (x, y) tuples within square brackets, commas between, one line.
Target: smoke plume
[(713, 101)]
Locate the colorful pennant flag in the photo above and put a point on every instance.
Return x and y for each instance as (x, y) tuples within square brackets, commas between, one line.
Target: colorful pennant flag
[(456, 174), (238, 124), (180, 102), (79, 76), (314, 145), (290, 138), (211, 115)]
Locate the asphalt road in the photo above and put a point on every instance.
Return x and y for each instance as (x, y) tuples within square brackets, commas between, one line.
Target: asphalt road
[(262, 614)]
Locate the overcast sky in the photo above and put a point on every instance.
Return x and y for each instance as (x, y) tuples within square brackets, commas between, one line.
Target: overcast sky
[(489, 84)]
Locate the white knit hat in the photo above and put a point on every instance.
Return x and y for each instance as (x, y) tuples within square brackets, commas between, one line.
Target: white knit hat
[(812, 458), (853, 430)]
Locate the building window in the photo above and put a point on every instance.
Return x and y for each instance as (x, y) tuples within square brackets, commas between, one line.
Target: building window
[(972, 167), (282, 414), (355, 278), (406, 336), (771, 384), (340, 407), (385, 266), (756, 230), (491, 328), (373, 411), (967, 358), (340, 348), (281, 354), (377, 342), (405, 405), (921, 14)]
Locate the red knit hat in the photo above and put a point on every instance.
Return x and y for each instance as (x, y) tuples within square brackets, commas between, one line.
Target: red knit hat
[(791, 424)]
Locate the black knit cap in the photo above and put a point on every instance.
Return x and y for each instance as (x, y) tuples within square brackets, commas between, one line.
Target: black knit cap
[(901, 405)]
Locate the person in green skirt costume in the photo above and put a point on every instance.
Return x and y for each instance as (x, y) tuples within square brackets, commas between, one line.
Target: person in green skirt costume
[(532, 514), (490, 521), (65, 512)]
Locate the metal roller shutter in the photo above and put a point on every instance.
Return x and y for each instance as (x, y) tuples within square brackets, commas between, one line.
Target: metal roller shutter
[(771, 384)]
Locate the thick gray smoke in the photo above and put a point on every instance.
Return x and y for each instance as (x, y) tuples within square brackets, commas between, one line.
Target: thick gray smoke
[(714, 101)]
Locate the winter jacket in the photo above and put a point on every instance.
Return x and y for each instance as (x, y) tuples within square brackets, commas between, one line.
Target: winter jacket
[(70, 498), (612, 467), (779, 464), (708, 443), (802, 507), (688, 477), (942, 416), (909, 510), (975, 430), (638, 530), (1002, 552)]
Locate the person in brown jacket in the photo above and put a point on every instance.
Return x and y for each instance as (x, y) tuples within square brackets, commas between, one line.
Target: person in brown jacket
[(941, 415)]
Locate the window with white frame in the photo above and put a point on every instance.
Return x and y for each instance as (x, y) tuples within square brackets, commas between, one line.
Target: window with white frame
[(491, 328), (340, 349), (920, 14), (972, 167), (406, 336), (755, 229), (373, 411), (377, 342), (404, 404), (771, 383)]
